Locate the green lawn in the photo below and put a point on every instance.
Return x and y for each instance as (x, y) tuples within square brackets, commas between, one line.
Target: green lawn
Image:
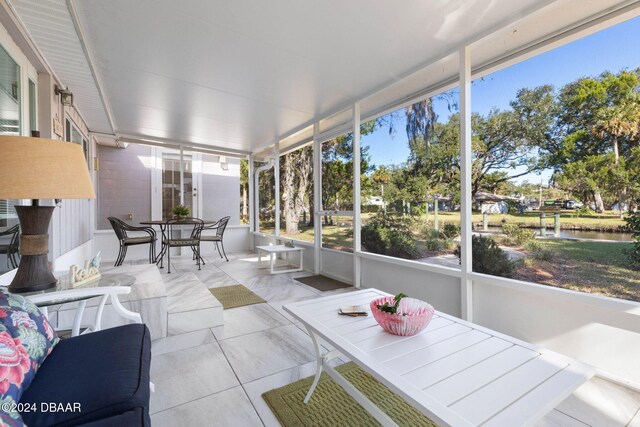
[(594, 267), (606, 221), (335, 236)]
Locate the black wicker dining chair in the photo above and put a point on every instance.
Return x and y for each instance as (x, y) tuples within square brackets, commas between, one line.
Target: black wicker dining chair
[(219, 226), (12, 248), (192, 241), (121, 228)]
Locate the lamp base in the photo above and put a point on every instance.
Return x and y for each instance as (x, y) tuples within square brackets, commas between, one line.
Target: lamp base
[(33, 271)]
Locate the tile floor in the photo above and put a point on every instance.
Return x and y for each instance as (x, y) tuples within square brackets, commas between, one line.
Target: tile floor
[(220, 373)]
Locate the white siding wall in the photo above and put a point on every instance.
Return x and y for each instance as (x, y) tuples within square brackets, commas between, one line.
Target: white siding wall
[(220, 189), (71, 223), (124, 184)]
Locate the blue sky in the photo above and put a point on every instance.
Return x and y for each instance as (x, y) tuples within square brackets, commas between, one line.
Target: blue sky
[(613, 49)]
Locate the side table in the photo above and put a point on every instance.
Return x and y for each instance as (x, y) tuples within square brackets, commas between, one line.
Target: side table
[(273, 251)]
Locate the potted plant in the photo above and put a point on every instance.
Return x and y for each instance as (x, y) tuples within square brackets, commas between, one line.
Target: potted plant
[(181, 211)]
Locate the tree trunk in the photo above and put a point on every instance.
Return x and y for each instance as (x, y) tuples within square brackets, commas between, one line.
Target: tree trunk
[(621, 194), (291, 220), (597, 197), (296, 179), (622, 197), (245, 208), (291, 223)]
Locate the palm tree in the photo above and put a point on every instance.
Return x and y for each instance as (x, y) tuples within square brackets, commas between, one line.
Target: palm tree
[(382, 176)]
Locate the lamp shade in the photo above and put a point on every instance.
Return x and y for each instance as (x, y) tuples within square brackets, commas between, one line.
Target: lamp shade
[(39, 168)]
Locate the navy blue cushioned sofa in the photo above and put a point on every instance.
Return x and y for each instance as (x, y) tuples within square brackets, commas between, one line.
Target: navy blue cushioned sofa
[(96, 379)]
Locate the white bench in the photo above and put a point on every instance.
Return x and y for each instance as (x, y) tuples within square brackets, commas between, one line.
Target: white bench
[(273, 252), (455, 372)]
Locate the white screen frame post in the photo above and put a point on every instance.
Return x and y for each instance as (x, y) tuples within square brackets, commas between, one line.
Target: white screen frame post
[(357, 246), (317, 199), (276, 176), (465, 185)]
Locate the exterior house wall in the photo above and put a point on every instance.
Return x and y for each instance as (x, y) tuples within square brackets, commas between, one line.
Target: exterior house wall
[(124, 184), (220, 189), (71, 224)]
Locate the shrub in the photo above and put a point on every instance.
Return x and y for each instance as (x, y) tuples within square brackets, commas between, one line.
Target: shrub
[(542, 254), (386, 236), (510, 229), (583, 211), (633, 225), (435, 245), (488, 258), (430, 233), (521, 235), (451, 231), (533, 246), (437, 241)]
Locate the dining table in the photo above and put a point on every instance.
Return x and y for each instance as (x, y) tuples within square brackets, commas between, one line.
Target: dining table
[(162, 224)]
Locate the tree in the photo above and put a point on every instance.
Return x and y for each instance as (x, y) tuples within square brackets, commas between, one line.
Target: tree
[(590, 177), (381, 176), (420, 123), (244, 190), (296, 177), (600, 116), (266, 195), (337, 169)]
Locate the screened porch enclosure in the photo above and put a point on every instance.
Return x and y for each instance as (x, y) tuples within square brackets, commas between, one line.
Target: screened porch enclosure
[(481, 156)]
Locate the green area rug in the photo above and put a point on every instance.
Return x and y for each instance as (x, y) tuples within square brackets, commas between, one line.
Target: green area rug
[(331, 406), (235, 296)]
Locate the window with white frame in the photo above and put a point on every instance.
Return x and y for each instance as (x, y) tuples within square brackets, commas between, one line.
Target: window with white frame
[(10, 120), (73, 134)]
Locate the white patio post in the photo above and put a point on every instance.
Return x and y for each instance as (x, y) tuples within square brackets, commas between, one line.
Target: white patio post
[(465, 184), (181, 175), (317, 200), (252, 204), (276, 174), (256, 200), (356, 196)]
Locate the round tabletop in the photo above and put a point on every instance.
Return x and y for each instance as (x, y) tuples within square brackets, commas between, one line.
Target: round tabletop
[(185, 221)]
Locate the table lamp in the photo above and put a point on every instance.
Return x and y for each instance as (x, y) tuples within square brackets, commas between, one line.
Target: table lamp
[(38, 168)]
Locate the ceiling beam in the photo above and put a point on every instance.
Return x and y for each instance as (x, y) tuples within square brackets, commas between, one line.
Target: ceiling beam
[(89, 58), (170, 143)]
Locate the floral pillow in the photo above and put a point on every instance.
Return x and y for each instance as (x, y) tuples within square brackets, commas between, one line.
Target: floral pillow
[(26, 339)]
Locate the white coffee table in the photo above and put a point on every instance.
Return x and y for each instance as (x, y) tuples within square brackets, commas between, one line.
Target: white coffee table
[(455, 372), (273, 252)]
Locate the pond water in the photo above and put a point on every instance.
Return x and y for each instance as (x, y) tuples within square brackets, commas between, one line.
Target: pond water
[(594, 235), (580, 234)]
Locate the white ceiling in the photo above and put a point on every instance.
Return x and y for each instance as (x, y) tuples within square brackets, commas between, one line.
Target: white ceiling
[(51, 27), (239, 74)]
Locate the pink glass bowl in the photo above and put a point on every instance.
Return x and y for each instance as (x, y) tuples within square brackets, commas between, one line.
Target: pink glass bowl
[(412, 317)]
